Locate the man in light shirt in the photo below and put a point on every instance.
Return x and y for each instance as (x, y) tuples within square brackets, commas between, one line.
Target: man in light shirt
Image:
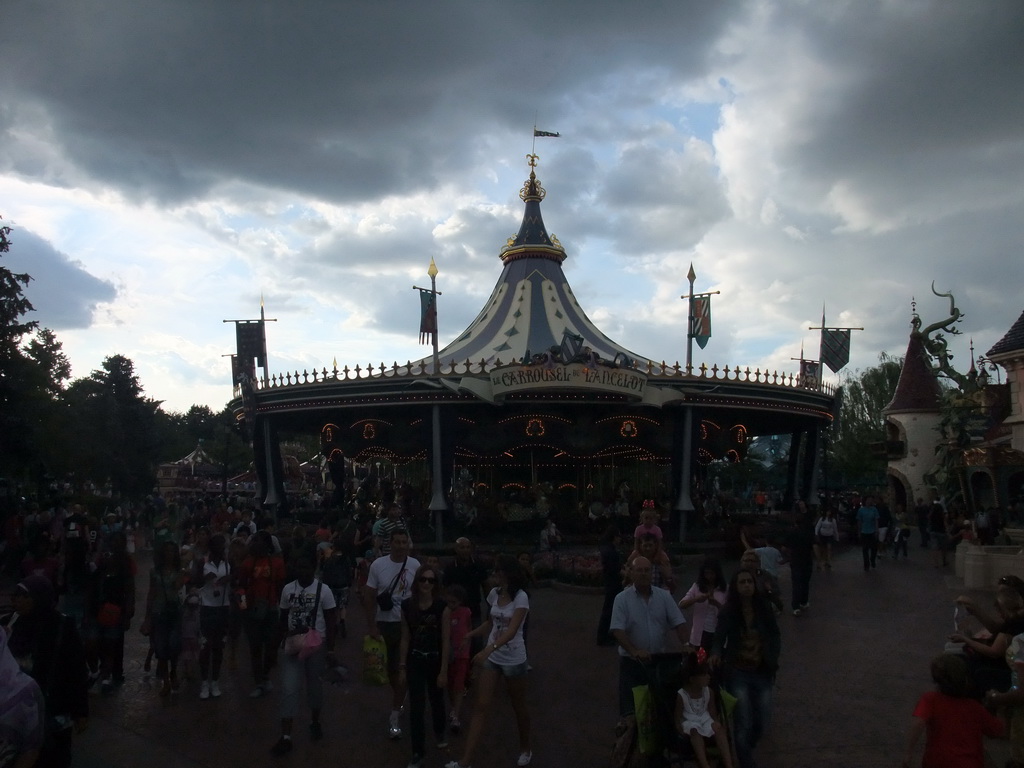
[(642, 617)]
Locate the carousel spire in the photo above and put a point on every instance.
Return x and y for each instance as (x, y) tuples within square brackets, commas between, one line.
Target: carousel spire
[(532, 240)]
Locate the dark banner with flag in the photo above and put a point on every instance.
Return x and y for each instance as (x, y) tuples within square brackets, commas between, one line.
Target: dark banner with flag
[(809, 374), (700, 322), (835, 348), (428, 315), (546, 133), (251, 342)]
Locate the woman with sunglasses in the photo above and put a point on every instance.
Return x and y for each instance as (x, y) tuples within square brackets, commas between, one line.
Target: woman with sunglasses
[(504, 656), (424, 651)]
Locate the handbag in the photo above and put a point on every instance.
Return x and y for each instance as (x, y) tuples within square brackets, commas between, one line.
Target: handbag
[(386, 600)]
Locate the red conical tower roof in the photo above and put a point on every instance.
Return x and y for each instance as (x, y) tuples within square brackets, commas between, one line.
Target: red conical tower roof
[(918, 389)]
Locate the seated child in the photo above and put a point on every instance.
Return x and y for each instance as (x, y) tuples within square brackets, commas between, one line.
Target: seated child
[(696, 712)]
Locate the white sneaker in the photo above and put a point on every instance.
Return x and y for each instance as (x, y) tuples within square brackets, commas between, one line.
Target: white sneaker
[(204, 690), (524, 758), (215, 689)]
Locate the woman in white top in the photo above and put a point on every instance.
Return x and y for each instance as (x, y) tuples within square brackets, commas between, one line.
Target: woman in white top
[(214, 610), (504, 656), (826, 533)]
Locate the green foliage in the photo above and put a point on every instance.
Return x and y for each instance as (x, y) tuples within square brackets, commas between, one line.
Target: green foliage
[(864, 396), (101, 427)]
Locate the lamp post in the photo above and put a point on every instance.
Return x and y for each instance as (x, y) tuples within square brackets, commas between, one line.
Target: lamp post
[(437, 501)]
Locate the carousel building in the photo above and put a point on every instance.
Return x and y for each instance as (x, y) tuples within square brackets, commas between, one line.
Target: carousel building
[(533, 409)]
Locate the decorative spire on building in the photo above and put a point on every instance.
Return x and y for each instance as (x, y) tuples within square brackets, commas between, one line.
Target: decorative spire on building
[(532, 240)]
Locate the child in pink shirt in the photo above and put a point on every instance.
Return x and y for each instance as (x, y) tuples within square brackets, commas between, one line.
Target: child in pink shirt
[(648, 522)]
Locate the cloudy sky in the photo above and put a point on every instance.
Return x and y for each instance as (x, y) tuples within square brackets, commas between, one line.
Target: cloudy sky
[(165, 163)]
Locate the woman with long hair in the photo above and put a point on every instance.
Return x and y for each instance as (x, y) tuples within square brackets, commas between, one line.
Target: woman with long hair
[(162, 621), (746, 646), (503, 656), (706, 596), (425, 646)]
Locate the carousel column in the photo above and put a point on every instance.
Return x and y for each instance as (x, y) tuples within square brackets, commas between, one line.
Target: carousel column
[(684, 502), (269, 470), (793, 471), (438, 504), (812, 464)]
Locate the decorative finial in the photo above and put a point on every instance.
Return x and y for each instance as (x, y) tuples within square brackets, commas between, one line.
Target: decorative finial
[(432, 269), (532, 188)]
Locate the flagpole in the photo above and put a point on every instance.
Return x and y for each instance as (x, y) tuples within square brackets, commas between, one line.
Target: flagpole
[(438, 504), (692, 277)]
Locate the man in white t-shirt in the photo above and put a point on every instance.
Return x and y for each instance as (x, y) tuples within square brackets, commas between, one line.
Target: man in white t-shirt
[(391, 576), (305, 604)]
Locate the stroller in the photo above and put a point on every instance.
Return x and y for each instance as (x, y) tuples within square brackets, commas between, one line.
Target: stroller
[(649, 739)]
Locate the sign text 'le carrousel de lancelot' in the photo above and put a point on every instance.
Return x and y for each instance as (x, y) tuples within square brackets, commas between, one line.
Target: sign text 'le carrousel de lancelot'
[(575, 376)]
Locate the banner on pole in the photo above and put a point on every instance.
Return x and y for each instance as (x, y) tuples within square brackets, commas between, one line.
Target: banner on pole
[(809, 378), (428, 316), (700, 322), (835, 348), (251, 342)]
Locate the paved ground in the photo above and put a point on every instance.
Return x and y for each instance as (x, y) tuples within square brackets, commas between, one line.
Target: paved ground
[(852, 669)]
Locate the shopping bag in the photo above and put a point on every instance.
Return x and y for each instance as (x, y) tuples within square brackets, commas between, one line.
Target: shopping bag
[(647, 736), (375, 661)]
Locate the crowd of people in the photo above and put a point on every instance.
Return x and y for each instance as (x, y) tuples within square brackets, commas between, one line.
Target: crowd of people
[(219, 573)]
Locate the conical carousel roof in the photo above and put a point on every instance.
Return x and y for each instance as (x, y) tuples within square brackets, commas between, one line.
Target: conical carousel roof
[(532, 308)]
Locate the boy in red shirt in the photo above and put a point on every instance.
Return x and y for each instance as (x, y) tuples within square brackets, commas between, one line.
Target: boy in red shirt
[(954, 723)]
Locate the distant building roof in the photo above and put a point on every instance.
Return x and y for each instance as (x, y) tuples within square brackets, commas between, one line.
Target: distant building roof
[(918, 388), (1013, 341)]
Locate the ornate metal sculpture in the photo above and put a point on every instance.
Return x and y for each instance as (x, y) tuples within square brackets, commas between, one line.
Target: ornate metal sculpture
[(937, 347)]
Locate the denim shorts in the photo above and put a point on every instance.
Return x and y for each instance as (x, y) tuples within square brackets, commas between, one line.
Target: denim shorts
[(508, 670)]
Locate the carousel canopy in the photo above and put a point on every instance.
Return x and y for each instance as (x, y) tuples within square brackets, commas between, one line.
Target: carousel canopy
[(532, 308)]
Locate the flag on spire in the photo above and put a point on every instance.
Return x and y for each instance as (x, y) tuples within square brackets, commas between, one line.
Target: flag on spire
[(552, 134)]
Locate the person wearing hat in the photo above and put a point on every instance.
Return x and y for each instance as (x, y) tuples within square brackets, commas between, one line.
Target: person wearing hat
[(47, 647)]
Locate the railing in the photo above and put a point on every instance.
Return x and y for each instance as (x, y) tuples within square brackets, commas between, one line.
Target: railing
[(419, 370)]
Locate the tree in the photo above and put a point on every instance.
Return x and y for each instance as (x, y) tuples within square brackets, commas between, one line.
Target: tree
[(115, 428), (861, 424)]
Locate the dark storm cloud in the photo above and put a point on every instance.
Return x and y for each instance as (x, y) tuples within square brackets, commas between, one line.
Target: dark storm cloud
[(340, 100), (921, 109), (63, 293)]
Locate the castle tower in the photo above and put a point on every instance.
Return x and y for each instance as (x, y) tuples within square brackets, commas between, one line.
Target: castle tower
[(1009, 353), (912, 424)]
